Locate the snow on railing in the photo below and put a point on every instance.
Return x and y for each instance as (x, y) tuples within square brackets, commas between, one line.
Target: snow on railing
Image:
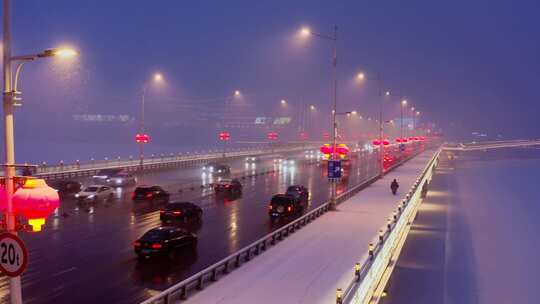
[(373, 271)]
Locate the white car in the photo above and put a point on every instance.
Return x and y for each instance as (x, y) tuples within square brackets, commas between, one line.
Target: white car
[(95, 193)]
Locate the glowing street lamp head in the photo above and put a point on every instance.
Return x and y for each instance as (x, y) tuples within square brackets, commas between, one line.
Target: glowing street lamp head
[(354, 112), (312, 107), (283, 102), (158, 77), (237, 93), (305, 31), (417, 113), (65, 53), (59, 52), (412, 109), (404, 102), (361, 76), (387, 93)]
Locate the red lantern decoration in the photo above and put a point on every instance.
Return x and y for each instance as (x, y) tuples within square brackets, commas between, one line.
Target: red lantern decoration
[(224, 136), (272, 135), (386, 142), (326, 149), (142, 138), (35, 200), (398, 140), (376, 142)]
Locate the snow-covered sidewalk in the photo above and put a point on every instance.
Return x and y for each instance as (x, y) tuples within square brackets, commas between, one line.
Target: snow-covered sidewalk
[(311, 263)]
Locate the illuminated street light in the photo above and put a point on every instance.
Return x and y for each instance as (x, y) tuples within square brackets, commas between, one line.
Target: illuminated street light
[(156, 78), (237, 93), (387, 93), (354, 112), (312, 107), (283, 102), (361, 76), (305, 31), (404, 102), (11, 98)]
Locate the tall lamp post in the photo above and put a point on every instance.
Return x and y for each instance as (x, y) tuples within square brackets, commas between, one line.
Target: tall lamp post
[(308, 32), (378, 79), (403, 104), (11, 98), (157, 78)]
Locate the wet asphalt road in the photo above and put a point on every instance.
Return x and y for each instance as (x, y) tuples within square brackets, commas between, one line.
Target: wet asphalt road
[(85, 253)]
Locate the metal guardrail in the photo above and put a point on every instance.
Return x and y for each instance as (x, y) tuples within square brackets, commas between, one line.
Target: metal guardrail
[(491, 145), (212, 273), (76, 170), (368, 273)]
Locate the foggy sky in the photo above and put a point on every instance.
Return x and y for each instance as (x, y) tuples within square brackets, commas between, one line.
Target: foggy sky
[(467, 65)]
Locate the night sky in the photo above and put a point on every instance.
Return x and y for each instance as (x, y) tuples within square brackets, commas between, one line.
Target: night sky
[(467, 65)]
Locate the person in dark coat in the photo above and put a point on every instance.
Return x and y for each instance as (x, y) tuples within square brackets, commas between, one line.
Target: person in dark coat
[(394, 186)]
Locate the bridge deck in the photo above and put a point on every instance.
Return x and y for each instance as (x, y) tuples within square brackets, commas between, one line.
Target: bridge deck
[(314, 261)]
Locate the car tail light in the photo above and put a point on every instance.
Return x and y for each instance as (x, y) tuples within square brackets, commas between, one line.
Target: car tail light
[(156, 246), (149, 195), (137, 244), (269, 207), (289, 208), (177, 212)]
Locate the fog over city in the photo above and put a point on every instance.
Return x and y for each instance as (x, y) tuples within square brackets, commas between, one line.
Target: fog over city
[(467, 66)]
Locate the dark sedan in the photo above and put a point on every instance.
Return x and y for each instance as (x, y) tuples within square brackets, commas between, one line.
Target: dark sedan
[(150, 193), (181, 211), (164, 240)]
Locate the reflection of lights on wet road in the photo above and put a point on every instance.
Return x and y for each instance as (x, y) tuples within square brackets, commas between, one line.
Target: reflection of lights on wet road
[(118, 193), (233, 228)]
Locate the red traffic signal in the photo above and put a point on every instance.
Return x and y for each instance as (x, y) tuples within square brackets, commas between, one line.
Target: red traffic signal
[(272, 135), (224, 136), (142, 138)]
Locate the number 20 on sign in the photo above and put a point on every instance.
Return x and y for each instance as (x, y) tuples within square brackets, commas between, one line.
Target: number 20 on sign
[(13, 255)]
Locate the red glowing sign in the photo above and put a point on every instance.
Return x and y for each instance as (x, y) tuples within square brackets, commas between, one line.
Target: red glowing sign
[(224, 136), (272, 135), (142, 138)]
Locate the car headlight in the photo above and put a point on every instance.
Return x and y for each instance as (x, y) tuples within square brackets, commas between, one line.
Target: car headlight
[(77, 195), (91, 196)]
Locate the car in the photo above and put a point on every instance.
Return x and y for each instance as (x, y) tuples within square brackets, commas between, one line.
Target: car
[(114, 177), (299, 192), (251, 159), (228, 185), (217, 169), (150, 193), (66, 188), (284, 205), (181, 211), (163, 240), (95, 193)]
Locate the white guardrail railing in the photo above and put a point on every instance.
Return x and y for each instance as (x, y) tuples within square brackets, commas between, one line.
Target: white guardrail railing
[(180, 291), (187, 159), (373, 270)]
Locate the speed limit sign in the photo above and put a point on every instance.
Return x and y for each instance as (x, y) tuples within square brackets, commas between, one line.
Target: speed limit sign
[(13, 255)]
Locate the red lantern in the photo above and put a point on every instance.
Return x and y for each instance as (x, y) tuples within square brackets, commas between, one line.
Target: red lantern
[(224, 136), (398, 140), (386, 142), (142, 138), (326, 149), (35, 200), (376, 142), (272, 136)]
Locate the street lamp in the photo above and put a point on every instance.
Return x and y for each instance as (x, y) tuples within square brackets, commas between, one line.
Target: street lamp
[(403, 104), (305, 32), (156, 78), (237, 93), (10, 98), (312, 107), (283, 102), (361, 76)]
